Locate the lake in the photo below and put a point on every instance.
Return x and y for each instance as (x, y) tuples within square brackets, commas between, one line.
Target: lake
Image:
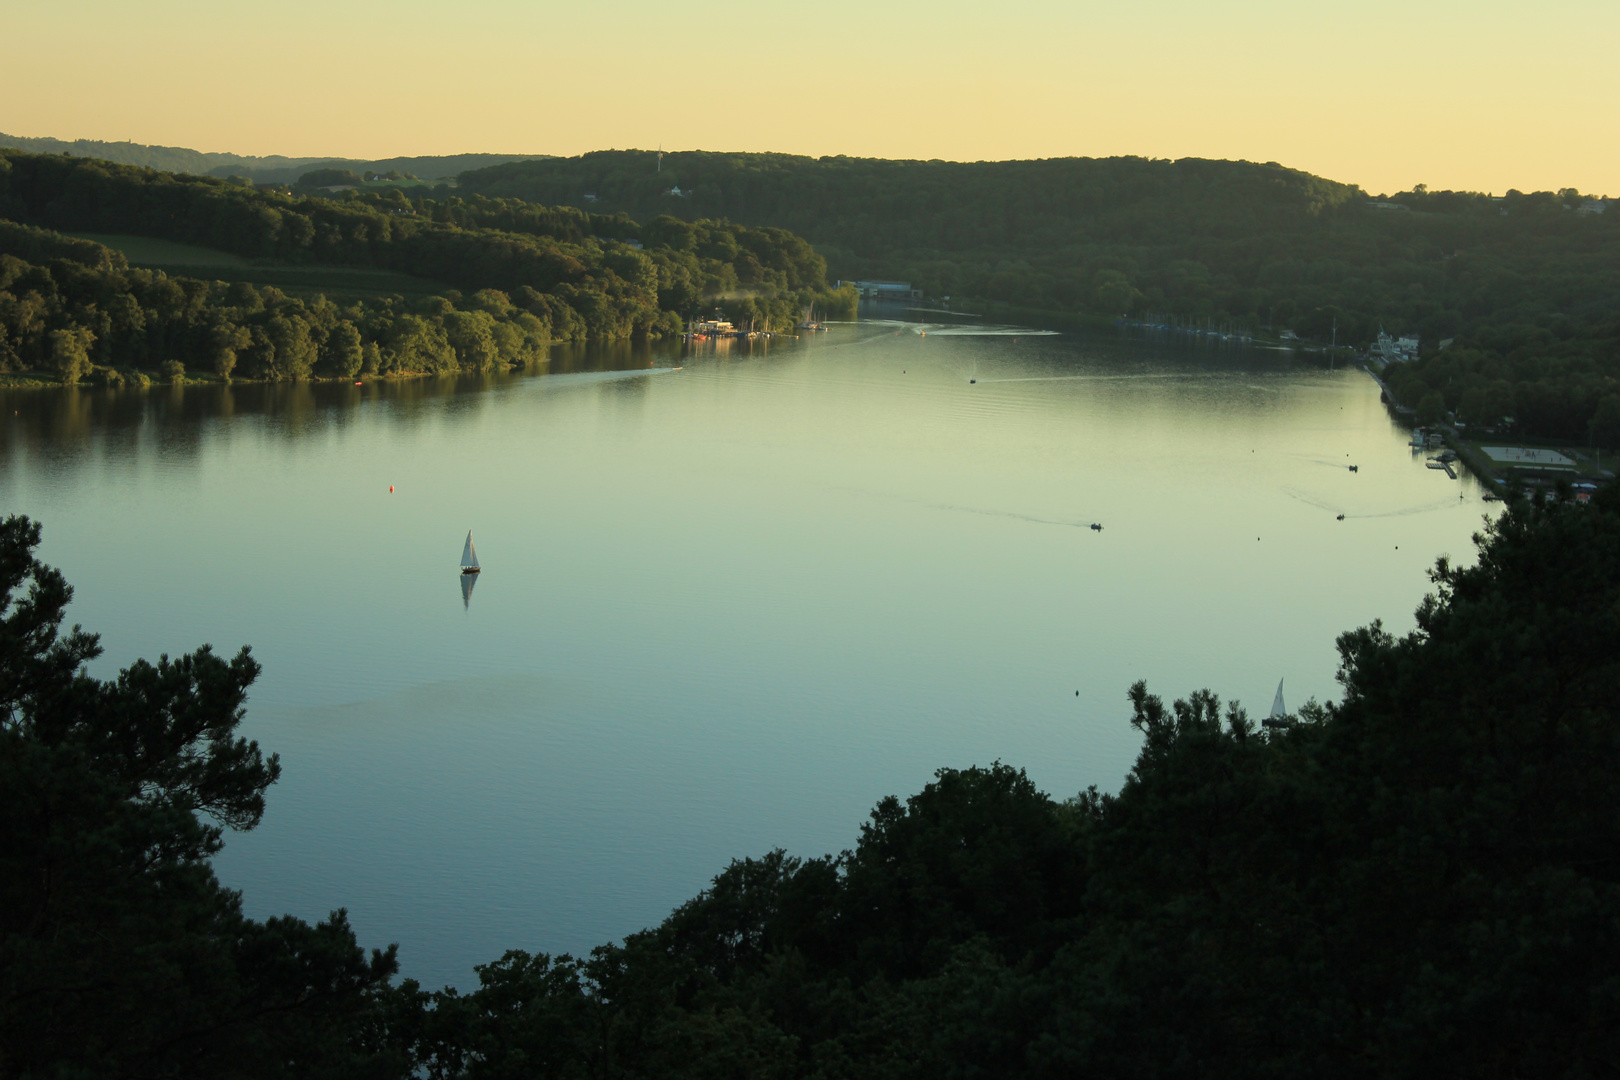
[(730, 599)]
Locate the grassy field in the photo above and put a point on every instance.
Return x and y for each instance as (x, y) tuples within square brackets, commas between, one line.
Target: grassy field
[(345, 282), (144, 251)]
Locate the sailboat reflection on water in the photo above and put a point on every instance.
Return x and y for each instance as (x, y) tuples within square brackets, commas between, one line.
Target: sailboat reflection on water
[(467, 583)]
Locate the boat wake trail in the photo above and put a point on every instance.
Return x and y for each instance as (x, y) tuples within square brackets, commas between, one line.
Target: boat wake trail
[(984, 331), (957, 508), (1003, 514), (581, 378), (1405, 511), (1184, 376)]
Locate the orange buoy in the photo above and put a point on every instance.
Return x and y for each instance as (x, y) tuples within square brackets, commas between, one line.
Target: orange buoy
[(390, 489), (357, 382)]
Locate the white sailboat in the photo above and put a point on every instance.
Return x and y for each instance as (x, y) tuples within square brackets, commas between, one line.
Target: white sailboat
[(469, 557), (1279, 711)]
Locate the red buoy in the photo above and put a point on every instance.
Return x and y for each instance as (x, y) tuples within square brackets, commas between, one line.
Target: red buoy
[(390, 489)]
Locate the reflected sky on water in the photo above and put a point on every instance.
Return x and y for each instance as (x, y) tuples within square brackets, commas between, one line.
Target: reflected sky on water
[(729, 599)]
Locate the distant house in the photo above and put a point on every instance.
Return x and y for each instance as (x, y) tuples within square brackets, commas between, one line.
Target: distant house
[(884, 290), (1375, 204), (1394, 350), (1592, 206), (677, 192)]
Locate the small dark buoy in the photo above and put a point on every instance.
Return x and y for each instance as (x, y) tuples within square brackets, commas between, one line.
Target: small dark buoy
[(1077, 693), (973, 381), (1341, 517), (1096, 526)]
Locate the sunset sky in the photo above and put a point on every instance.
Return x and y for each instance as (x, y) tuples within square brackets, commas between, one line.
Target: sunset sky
[(1486, 95)]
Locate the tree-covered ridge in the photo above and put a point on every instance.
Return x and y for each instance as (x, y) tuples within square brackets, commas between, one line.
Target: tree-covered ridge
[(1419, 880), (1227, 240), (1527, 285), (875, 205), (80, 306), (581, 275), (269, 169)]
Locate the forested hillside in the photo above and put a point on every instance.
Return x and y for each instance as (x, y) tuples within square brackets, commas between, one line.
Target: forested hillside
[(1224, 239), (271, 169), (1527, 285), (1419, 880), (522, 276)]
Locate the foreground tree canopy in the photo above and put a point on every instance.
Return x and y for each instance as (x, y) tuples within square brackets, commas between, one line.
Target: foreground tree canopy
[(491, 283), (1421, 880)]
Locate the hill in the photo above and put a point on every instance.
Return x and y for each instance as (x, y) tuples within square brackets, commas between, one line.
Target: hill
[(1525, 287), (534, 274), (272, 169)]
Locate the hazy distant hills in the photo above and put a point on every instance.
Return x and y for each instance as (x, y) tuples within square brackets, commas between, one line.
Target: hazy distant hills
[(1523, 287), (868, 206), (272, 169), (1003, 230)]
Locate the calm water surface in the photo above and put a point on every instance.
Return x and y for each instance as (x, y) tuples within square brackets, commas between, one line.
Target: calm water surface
[(725, 608)]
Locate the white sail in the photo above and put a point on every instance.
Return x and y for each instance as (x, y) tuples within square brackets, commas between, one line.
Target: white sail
[(1278, 709), (469, 557)]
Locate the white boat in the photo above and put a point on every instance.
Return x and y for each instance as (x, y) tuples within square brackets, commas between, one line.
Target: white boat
[(1279, 712), (469, 557)]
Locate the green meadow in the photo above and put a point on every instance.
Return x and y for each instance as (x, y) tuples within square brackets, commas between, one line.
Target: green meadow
[(196, 261)]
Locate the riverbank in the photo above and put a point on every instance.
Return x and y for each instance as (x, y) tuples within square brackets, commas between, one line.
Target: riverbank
[(38, 380)]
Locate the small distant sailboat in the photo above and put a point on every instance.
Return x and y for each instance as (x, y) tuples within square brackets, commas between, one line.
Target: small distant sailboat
[(469, 557), (1279, 711)]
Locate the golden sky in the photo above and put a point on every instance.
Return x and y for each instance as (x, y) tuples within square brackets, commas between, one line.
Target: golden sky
[(1487, 95)]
